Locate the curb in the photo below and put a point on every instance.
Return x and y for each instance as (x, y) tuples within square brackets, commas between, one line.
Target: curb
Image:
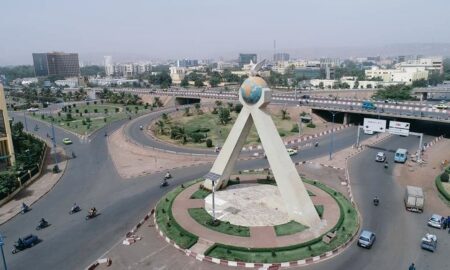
[(307, 261)]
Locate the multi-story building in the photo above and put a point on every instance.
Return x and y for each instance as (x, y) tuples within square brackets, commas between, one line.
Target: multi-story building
[(280, 57), (246, 58), (330, 62), (401, 75), (433, 64), (187, 63), (177, 74), (109, 66), (56, 63), (6, 145), (131, 69)]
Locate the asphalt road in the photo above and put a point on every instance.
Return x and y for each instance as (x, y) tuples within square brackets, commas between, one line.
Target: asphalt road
[(71, 242), (398, 231)]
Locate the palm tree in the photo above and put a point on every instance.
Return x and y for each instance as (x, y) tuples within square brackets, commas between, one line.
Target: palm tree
[(161, 127), (284, 114)]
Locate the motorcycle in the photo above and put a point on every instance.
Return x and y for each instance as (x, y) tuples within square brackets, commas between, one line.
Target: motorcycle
[(164, 183), (25, 208), (42, 225), (91, 215), (316, 144), (74, 210), (167, 176), (73, 155), (376, 201)]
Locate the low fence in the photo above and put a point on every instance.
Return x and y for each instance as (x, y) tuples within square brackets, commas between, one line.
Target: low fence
[(30, 176)]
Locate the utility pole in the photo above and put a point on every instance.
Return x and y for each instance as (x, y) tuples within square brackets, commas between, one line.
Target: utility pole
[(54, 143), (213, 201)]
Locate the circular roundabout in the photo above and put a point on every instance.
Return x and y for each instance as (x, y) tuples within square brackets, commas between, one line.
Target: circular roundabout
[(251, 224)]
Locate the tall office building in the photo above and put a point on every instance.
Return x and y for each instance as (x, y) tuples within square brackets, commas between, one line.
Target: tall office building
[(245, 58), (56, 63), (109, 67), (280, 57), (6, 145)]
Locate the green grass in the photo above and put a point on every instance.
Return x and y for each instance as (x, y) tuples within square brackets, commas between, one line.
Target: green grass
[(204, 218), (289, 228), (200, 194), (167, 223), (442, 188), (319, 209), (217, 132), (97, 120), (346, 226)]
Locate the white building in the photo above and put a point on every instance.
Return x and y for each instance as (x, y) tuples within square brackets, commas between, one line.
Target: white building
[(69, 82), (433, 64), (177, 74), (403, 75), (109, 66)]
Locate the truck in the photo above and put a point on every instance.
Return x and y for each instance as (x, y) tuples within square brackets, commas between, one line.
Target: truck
[(414, 199)]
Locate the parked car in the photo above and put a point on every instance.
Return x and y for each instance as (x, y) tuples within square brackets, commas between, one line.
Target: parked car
[(32, 109), (67, 141), (25, 242), (380, 157), (366, 239), (436, 221), (429, 242)]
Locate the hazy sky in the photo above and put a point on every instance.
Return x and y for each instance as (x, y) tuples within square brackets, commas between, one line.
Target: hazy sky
[(211, 28)]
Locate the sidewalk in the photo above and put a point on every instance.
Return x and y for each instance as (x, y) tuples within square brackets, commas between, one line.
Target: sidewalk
[(36, 190)]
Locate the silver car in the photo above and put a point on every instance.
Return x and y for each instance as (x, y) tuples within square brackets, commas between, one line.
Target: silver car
[(366, 239), (436, 221), (380, 157)]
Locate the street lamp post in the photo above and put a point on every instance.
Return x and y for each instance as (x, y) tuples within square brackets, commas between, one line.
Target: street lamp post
[(332, 134), (3, 254), (213, 201), (54, 143), (25, 121)]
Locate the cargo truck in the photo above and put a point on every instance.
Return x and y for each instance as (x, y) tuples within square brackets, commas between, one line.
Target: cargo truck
[(414, 199)]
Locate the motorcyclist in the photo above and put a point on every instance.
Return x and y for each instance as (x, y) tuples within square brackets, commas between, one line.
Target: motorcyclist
[(316, 144), (73, 155), (167, 176), (412, 267), (43, 222), (74, 207), (376, 200), (24, 206), (386, 164), (141, 127), (92, 211)]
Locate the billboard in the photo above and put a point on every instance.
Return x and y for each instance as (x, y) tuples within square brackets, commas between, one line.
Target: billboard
[(374, 125), (399, 128)]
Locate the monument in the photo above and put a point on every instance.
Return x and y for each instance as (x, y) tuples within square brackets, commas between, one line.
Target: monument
[(255, 95)]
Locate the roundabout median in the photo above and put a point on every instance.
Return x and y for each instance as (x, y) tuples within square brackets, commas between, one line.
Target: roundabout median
[(184, 220)]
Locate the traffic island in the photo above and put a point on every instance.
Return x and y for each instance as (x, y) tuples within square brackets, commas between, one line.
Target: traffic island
[(251, 227)]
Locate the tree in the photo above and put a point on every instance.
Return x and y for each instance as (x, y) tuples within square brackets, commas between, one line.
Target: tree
[(209, 143), (215, 79), (218, 103), (420, 83), (187, 111), (157, 102), (238, 108), (198, 108), (165, 117), (198, 82), (224, 116), (321, 85), (185, 82), (356, 84), (396, 92), (284, 114), (161, 127)]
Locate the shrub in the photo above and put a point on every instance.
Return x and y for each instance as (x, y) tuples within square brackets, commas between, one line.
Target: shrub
[(444, 177), (311, 125), (282, 134), (95, 111), (209, 143), (55, 169), (294, 128)]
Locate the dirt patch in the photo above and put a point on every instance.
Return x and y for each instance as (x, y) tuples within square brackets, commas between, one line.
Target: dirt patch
[(132, 160), (425, 174)]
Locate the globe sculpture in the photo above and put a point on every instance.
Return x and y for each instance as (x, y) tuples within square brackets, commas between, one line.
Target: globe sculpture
[(251, 89)]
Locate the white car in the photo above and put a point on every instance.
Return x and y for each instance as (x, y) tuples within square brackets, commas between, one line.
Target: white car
[(436, 221), (32, 109), (441, 106), (380, 157), (291, 151)]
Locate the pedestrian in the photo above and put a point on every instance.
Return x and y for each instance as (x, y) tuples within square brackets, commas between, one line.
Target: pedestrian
[(412, 267)]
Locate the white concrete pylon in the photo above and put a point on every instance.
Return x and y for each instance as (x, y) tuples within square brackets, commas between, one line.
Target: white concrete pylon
[(292, 189)]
